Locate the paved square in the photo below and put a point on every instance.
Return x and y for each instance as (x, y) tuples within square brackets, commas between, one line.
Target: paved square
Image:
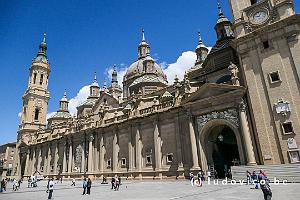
[(146, 190)]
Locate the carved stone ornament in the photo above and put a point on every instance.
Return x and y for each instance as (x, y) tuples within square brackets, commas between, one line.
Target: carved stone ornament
[(282, 107), (229, 115), (91, 138), (78, 156), (38, 103), (242, 106), (234, 74), (292, 143)]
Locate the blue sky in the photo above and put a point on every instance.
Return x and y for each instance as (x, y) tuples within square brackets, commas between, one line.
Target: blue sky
[(88, 36)]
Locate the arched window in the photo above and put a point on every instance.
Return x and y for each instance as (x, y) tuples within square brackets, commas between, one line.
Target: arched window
[(36, 114), (41, 79), (34, 78)]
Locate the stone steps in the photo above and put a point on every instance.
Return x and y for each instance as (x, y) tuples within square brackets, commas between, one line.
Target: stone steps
[(289, 172)]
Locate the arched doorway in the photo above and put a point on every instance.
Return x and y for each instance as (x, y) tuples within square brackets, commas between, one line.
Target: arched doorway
[(222, 146), (223, 149)]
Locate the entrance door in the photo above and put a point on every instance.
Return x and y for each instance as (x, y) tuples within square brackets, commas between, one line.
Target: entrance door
[(225, 151)]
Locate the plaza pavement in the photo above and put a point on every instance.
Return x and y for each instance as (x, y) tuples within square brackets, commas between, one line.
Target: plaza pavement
[(151, 190)]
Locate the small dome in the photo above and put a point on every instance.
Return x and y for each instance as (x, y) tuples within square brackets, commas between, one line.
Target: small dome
[(59, 115)]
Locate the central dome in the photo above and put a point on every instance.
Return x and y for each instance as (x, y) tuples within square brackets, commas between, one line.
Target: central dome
[(137, 69), (144, 75)]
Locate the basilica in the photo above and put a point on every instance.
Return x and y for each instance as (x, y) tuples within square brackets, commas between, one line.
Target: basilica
[(239, 105)]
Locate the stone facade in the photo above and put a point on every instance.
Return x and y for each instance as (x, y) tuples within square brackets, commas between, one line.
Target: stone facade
[(224, 112), (7, 155)]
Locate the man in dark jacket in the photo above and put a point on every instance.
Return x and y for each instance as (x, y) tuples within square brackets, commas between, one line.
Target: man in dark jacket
[(112, 182), (84, 186), (89, 185)]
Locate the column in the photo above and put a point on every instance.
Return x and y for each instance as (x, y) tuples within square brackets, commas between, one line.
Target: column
[(49, 160), (83, 157), (90, 158), (26, 163), (29, 161), (130, 151), (55, 158), (246, 133), (157, 146), (203, 161), (17, 163), (70, 156), (115, 151), (178, 142), (138, 149), (45, 159), (64, 167), (33, 161), (96, 156), (193, 142), (102, 151), (39, 159)]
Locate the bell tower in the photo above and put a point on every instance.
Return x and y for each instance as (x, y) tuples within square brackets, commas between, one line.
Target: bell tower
[(250, 14), (267, 42), (36, 96)]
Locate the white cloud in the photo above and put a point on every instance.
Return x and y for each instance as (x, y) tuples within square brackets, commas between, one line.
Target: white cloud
[(81, 96), (183, 63), (74, 102)]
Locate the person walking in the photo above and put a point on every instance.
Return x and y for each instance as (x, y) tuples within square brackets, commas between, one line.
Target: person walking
[(89, 185), (249, 177), (117, 183), (254, 179), (19, 183), (29, 182), (2, 186), (112, 182), (50, 188), (192, 178), (84, 185), (265, 186), (14, 184), (73, 182)]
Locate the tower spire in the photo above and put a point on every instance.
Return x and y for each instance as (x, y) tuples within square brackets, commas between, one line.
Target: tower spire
[(95, 77), (144, 48), (44, 39), (42, 53), (63, 103), (220, 9), (223, 27), (114, 76), (143, 35), (200, 42), (201, 50), (65, 94), (94, 88)]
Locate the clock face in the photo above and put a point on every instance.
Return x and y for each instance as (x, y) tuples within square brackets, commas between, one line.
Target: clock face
[(259, 17)]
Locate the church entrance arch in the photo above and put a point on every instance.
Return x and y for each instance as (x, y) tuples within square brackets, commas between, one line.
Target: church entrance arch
[(222, 146)]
